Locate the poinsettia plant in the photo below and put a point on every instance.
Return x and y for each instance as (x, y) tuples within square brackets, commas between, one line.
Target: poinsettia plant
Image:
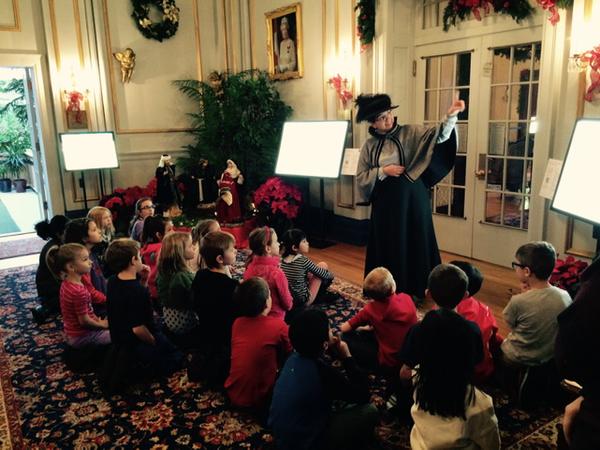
[(566, 274), (591, 59), (121, 203), (277, 203)]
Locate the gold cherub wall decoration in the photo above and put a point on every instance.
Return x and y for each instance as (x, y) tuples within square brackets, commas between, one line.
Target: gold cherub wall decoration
[(126, 59)]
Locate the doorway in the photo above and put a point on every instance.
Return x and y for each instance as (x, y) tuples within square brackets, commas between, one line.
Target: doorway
[(481, 209), (23, 188)]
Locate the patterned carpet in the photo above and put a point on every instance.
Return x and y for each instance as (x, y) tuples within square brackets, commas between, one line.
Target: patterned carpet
[(58, 409)]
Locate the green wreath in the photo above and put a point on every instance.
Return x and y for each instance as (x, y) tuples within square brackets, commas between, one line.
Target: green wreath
[(161, 30)]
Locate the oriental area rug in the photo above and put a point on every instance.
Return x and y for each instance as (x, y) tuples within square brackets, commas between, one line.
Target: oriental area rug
[(44, 405)]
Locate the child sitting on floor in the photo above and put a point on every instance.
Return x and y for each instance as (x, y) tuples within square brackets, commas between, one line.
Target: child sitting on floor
[(212, 294), (447, 286), (48, 286), (103, 219), (85, 232), (449, 412), (82, 327), (391, 315), (174, 283), (532, 314), (264, 263), (302, 414), (305, 278), (259, 343), (202, 228), (475, 311), (130, 315), (154, 231), (144, 208)]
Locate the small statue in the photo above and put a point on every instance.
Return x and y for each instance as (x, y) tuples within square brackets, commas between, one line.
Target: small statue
[(228, 203), (127, 60), (166, 189)]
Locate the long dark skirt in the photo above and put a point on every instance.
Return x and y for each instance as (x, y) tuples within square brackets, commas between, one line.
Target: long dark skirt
[(401, 234)]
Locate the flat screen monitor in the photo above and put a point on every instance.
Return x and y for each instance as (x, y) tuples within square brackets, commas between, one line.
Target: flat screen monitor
[(312, 148), (89, 151), (575, 193)]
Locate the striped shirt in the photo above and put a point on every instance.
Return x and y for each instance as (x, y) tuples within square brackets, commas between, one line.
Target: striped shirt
[(296, 272), (75, 301)]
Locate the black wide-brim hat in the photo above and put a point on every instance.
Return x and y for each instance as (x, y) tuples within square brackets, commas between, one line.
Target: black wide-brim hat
[(369, 106)]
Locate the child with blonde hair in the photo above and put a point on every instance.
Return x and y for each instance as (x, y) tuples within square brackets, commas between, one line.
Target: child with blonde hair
[(390, 315), (264, 263), (103, 218), (82, 327), (174, 284)]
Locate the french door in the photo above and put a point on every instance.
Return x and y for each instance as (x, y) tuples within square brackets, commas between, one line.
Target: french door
[(481, 209)]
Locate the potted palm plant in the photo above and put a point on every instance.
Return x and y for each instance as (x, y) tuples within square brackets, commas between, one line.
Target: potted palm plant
[(14, 161), (15, 148), (5, 183)]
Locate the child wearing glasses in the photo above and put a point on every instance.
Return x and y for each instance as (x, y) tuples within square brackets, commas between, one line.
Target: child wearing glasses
[(531, 315), (143, 208)]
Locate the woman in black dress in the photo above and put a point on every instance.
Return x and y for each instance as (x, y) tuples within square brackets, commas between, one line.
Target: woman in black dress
[(398, 165)]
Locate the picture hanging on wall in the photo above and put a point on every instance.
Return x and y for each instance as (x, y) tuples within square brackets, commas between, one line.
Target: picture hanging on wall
[(284, 42)]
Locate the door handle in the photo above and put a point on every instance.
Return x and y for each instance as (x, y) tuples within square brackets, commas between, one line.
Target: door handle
[(481, 170)]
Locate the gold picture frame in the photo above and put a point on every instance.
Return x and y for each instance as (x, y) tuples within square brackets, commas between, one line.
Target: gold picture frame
[(284, 42)]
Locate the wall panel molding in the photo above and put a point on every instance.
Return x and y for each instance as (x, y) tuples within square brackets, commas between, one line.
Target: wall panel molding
[(16, 25)]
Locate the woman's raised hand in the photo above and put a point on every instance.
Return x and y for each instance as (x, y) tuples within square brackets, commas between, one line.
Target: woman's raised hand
[(393, 170), (457, 106)]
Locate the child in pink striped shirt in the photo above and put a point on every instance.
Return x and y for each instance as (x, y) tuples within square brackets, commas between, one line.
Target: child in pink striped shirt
[(82, 327)]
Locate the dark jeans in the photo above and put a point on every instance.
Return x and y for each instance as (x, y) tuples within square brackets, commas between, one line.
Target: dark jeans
[(352, 428)]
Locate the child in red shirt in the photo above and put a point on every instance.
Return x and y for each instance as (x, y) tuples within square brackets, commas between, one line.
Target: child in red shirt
[(82, 327), (265, 263), (390, 315), (475, 311), (259, 343), (155, 229)]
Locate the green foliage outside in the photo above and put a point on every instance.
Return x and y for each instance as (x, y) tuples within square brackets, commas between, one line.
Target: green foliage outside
[(14, 130), (240, 117)]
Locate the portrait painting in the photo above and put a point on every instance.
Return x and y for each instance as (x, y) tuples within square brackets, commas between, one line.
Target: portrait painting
[(284, 42)]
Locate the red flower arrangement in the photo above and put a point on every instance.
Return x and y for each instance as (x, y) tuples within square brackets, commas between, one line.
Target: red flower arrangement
[(275, 196), (341, 88), (566, 274)]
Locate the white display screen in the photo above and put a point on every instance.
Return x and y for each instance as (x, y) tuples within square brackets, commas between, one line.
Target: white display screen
[(312, 149), (577, 183), (89, 151)]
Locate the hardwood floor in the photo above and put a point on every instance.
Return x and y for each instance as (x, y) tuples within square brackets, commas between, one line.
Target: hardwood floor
[(347, 262)]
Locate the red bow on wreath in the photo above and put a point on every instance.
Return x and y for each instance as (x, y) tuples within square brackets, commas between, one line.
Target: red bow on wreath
[(74, 105)]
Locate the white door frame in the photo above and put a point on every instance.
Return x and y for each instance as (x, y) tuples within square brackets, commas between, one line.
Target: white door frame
[(48, 143)]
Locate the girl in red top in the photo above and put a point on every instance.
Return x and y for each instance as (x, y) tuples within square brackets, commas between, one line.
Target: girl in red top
[(264, 263), (71, 262), (155, 229)]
